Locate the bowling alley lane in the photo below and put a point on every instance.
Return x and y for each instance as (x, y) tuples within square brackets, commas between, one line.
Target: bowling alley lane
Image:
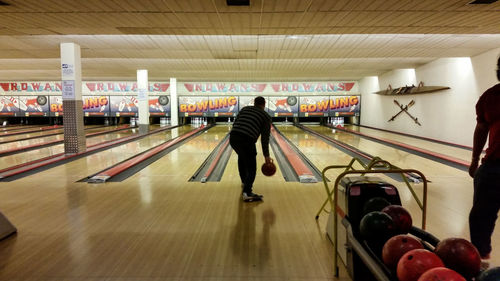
[(449, 193), (18, 127), (209, 223), (397, 157), (42, 134), (455, 152), (19, 158), (157, 223), (36, 133), (42, 139), (88, 165), (187, 158)]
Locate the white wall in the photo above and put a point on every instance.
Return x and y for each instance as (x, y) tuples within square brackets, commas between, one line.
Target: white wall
[(446, 115)]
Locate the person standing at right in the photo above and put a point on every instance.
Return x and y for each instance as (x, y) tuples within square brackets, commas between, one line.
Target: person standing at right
[(486, 201)]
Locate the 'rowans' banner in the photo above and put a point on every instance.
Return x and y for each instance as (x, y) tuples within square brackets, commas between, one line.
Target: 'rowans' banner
[(224, 87), (269, 88), (87, 87), (328, 87)]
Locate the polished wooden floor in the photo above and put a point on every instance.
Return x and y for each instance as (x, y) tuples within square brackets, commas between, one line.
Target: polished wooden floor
[(158, 226)]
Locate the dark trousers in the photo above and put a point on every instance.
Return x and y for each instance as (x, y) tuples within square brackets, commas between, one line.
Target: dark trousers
[(247, 161), (486, 204)]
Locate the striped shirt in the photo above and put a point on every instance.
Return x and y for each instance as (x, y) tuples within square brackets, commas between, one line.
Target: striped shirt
[(253, 121)]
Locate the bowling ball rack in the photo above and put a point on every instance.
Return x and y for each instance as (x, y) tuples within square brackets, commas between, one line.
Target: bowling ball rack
[(361, 260)]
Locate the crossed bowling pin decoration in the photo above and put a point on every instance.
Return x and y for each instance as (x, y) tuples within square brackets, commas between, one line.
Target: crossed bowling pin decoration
[(128, 103), (405, 110)]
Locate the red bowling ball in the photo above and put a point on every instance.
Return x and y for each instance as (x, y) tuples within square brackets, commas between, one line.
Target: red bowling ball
[(401, 218), (268, 169), (441, 274), (414, 263), (459, 255), (396, 247)]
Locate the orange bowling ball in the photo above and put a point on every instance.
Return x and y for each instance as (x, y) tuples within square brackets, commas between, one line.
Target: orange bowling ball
[(268, 169)]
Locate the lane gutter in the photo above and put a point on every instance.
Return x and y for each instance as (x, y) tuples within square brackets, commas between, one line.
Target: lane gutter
[(141, 160), (54, 142), (300, 165), (38, 165), (354, 152), (438, 157), (42, 136), (214, 165)]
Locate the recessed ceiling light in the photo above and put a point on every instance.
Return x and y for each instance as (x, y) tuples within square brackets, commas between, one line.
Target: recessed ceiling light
[(482, 2), (297, 37), (238, 2)]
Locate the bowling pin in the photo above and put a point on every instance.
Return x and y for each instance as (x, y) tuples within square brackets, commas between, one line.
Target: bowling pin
[(121, 105), (231, 108), (134, 100), (272, 106), (14, 102), (102, 108), (22, 104)]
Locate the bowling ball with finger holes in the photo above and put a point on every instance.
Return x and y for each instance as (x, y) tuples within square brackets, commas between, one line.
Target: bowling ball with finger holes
[(441, 274), (415, 263), (460, 255), (396, 247), (376, 228), (291, 100), (401, 217), (375, 204), (268, 169), (41, 100), (163, 100)]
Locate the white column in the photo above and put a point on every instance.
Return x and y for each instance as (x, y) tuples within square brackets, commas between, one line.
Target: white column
[(71, 73), (174, 107), (142, 97)]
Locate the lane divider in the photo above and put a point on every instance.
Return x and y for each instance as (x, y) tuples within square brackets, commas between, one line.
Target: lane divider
[(42, 129), (412, 149), (45, 135), (60, 158), (356, 152), (16, 128), (338, 143), (119, 168), (50, 143), (420, 137), (215, 161), (303, 172)]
